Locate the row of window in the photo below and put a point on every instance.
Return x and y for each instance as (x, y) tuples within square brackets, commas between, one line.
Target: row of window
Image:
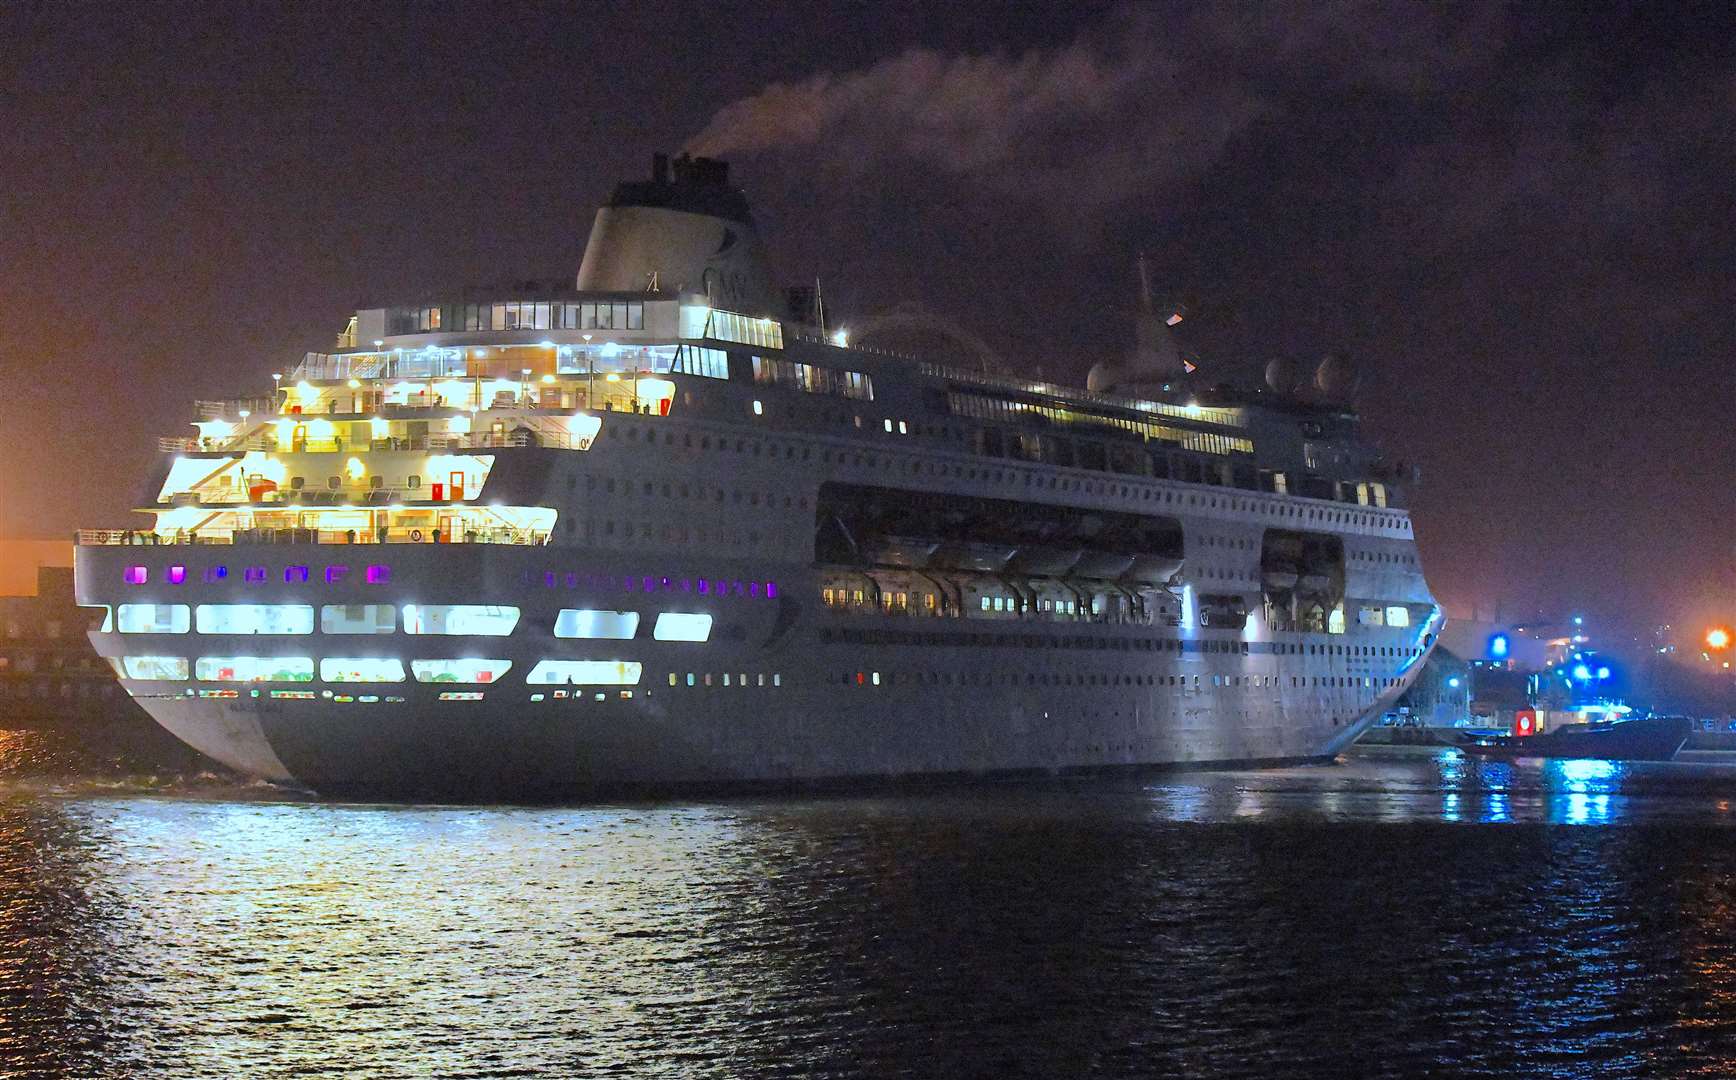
[(373, 669), (811, 379), (1030, 678), (339, 669), (741, 329), (1030, 479), (553, 579), (741, 678), (257, 575), (985, 407), (519, 315), (888, 636), (469, 620), (699, 360)]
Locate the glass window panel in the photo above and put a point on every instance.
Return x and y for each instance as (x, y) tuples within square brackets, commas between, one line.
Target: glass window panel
[(358, 619), (587, 623), (255, 618), (155, 667), (254, 669), (361, 669), (585, 673), (678, 626), (1398, 616), (459, 671), (153, 619), (459, 619)]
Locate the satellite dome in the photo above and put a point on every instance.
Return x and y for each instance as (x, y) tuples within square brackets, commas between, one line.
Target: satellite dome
[(1337, 376), (1282, 375)]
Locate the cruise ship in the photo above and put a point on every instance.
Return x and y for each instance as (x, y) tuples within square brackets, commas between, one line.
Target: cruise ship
[(664, 527)]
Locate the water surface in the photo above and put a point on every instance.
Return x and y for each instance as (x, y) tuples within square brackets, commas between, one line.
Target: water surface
[(1393, 916)]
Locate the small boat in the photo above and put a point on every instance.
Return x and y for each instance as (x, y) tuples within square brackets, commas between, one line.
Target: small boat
[(906, 551), (1655, 738)]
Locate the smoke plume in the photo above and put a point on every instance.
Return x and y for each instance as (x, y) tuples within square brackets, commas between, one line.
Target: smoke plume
[(1144, 101)]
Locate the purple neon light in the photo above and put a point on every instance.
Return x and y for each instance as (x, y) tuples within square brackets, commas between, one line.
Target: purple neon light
[(136, 575)]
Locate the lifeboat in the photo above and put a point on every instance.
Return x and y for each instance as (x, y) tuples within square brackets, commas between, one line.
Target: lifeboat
[(907, 551), (974, 555), (1153, 569), (1045, 560), (1107, 565), (1279, 576)]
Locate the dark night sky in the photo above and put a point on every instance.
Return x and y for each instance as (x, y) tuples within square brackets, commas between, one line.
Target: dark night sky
[(1518, 220)]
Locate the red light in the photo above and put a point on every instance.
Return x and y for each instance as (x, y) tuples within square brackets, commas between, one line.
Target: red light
[(1524, 722)]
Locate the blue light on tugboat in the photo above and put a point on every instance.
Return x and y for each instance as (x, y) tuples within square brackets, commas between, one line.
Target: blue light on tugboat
[(1498, 646), (1603, 672), (1582, 673)]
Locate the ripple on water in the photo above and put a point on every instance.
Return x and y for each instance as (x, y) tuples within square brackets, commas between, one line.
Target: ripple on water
[(1389, 917)]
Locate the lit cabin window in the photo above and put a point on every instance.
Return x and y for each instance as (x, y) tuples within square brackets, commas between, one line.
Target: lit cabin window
[(1398, 615), (460, 619), (361, 669), (358, 619), (255, 618), (744, 329), (696, 360), (136, 575), (459, 671), (587, 623), (153, 619), (585, 673), (254, 669), (679, 626), (154, 667)]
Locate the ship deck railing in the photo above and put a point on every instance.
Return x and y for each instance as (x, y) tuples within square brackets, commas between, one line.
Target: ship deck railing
[(228, 537), (266, 442)]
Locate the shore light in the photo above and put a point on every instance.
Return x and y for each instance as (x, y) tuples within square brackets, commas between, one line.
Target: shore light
[(1718, 638)]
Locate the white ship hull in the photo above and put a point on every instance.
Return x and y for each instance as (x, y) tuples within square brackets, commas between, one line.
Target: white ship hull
[(784, 692), (647, 533)]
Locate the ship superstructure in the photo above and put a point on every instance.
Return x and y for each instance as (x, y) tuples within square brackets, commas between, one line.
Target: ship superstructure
[(651, 530)]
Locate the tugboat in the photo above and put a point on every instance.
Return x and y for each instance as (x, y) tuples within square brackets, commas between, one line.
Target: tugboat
[(1656, 738)]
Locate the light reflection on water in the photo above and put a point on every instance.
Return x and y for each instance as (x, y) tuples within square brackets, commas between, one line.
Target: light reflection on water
[(1392, 916)]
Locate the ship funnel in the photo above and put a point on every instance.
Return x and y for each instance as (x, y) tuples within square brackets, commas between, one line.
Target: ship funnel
[(684, 230)]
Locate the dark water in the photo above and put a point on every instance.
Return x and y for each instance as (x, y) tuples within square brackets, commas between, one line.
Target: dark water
[(1394, 916)]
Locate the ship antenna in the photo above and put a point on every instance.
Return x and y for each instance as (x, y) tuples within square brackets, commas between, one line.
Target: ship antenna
[(819, 305)]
